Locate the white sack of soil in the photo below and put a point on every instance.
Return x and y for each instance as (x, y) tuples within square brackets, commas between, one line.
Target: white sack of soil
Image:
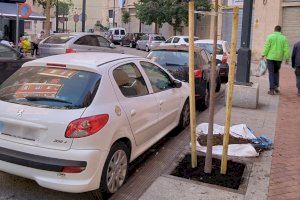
[(240, 131)]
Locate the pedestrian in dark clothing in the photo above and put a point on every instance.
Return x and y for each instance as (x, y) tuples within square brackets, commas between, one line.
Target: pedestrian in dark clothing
[(275, 51), (296, 63)]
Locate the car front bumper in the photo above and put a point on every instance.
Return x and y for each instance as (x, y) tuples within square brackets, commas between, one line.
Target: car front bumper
[(45, 166)]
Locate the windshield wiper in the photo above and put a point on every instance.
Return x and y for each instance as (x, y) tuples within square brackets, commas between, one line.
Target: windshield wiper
[(47, 99)]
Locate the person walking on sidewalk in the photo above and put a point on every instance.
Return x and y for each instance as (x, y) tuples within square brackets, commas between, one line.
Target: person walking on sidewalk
[(296, 63), (276, 50)]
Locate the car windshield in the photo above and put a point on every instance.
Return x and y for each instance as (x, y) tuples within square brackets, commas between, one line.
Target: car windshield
[(209, 47), (167, 58), (159, 38), (58, 39), (51, 88)]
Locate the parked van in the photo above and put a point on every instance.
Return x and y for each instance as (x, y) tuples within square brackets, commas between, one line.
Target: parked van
[(115, 35)]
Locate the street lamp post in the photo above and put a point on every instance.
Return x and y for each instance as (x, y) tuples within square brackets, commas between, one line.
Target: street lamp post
[(244, 53), (83, 15), (114, 13), (56, 15)]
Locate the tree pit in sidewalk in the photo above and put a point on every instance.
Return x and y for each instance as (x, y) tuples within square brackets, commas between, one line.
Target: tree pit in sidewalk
[(232, 179)]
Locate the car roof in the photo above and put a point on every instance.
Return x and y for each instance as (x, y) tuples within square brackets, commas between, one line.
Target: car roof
[(73, 34), (176, 48), (209, 41), (85, 59), (183, 36)]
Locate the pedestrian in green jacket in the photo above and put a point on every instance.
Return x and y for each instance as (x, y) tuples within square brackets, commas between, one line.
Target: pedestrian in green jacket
[(276, 50)]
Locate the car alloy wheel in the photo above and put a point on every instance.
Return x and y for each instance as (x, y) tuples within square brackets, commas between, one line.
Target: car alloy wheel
[(116, 171), (185, 115)]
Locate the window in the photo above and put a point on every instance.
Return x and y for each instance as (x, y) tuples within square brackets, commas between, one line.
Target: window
[(159, 38), (169, 40), (176, 40), (103, 42), (122, 32), (27, 25), (117, 32), (7, 53), (110, 14), (159, 79), (58, 89), (187, 39), (89, 40), (145, 37), (130, 80), (58, 39)]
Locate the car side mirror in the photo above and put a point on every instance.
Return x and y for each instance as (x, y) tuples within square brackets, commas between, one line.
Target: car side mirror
[(112, 45), (177, 83)]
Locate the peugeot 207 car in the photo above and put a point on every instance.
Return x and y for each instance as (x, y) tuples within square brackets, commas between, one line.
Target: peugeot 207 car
[(73, 122)]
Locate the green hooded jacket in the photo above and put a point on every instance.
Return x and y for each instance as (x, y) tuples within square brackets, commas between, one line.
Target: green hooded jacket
[(276, 47)]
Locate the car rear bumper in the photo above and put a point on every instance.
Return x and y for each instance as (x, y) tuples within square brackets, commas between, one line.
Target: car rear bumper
[(45, 166)]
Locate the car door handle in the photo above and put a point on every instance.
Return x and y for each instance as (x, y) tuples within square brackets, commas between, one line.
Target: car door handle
[(132, 112)]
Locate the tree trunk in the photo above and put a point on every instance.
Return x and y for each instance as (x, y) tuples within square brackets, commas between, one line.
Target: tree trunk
[(174, 31), (47, 23), (156, 28)]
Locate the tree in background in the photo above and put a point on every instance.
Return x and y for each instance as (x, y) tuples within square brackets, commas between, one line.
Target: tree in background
[(173, 12), (126, 17), (64, 8)]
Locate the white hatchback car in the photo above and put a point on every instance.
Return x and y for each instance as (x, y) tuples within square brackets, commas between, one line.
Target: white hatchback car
[(177, 40), (73, 122)]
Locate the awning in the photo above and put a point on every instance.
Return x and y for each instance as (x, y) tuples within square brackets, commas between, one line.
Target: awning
[(8, 10)]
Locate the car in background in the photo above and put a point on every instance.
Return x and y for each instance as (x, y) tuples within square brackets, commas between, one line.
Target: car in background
[(74, 122), (75, 42), (175, 59), (177, 40), (130, 39), (10, 61), (222, 55), (115, 35), (149, 42)]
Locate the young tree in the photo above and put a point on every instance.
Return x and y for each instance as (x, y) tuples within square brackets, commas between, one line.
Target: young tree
[(126, 17), (64, 7)]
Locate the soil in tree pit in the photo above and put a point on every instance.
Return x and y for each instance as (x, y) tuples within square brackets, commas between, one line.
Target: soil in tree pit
[(232, 179)]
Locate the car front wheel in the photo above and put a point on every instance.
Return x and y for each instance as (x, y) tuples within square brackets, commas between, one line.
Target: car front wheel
[(185, 116), (114, 172)]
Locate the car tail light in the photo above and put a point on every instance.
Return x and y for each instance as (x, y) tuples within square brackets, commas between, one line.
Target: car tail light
[(87, 126), (70, 51), (198, 73), (224, 58), (73, 170), (56, 65)]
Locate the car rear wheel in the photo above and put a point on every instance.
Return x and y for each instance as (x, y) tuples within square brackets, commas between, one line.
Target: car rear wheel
[(185, 116), (114, 171), (137, 47), (130, 45)]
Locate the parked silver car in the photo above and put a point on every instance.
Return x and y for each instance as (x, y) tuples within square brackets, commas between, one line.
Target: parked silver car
[(75, 42), (149, 42)]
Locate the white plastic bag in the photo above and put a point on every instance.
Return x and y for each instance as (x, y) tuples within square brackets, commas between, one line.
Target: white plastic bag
[(262, 68)]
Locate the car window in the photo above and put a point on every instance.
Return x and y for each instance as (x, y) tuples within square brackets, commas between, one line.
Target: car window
[(117, 32), (57, 88), (122, 32), (159, 38), (89, 40), (7, 53), (204, 57), (103, 42), (58, 39), (169, 40), (159, 79), (209, 47), (187, 39), (176, 40), (130, 80)]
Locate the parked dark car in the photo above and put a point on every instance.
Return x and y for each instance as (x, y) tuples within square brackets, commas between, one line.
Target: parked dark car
[(130, 39), (10, 61), (175, 60)]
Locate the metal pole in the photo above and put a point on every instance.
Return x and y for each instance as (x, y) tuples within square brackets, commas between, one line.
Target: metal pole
[(114, 14), (75, 27), (17, 27), (56, 15), (244, 53), (83, 15), (230, 87), (212, 86), (192, 82)]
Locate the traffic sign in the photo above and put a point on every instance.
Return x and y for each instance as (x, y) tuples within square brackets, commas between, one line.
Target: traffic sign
[(76, 18), (25, 10)]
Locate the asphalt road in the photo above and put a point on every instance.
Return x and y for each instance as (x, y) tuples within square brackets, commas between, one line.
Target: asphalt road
[(17, 188)]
